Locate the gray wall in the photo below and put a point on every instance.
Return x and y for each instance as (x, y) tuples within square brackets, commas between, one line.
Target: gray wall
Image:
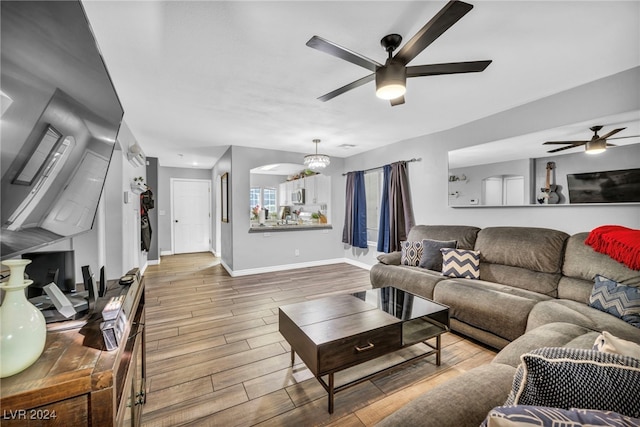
[(224, 165), (429, 178), (265, 250), (163, 200)]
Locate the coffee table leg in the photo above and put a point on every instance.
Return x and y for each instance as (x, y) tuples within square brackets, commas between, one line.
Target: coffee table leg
[(438, 350), (331, 393), (293, 356)]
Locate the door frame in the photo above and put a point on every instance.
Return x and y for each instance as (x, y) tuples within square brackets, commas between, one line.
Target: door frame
[(171, 182)]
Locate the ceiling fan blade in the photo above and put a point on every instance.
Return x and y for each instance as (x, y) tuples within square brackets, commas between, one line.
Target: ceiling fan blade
[(613, 132), (343, 53), (565, 142), (346, 88), (448, 68), (448, 15), (611, 145), (564, 148), (397, 101), (624, 137)]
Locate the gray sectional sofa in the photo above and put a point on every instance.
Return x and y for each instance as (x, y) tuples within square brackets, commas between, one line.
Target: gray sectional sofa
[(533, 292)]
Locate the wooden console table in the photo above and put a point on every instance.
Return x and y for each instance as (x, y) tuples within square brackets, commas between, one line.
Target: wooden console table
[(76, 381)]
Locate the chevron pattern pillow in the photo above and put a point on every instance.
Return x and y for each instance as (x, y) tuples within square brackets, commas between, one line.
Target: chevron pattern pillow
[(411, 253), (616, 299), (460, 263)]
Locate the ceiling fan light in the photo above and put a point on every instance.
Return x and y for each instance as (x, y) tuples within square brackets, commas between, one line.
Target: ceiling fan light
[(391, 81), (596, 146)]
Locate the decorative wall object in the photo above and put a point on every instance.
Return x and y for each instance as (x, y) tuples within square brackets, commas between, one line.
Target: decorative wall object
[(224, 196)]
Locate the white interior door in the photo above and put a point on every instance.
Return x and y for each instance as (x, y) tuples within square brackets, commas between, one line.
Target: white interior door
[(191, 219), (492, 191), (514, 190)]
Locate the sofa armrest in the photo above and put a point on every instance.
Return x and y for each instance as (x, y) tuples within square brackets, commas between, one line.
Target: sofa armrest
[(392, 258)]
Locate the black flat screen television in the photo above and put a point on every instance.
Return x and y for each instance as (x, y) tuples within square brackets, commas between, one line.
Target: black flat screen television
[(43, 267), (60, 120), (618, 186)]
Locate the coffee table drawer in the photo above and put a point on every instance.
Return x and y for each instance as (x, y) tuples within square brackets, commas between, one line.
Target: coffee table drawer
[(356, 349)]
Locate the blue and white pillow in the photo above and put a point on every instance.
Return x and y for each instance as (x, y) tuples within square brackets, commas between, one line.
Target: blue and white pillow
[(411, 253), (616, 299), (566, 378), (461, 263), (540, 416)]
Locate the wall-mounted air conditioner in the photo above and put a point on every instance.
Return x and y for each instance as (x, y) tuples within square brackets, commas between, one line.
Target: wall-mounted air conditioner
[(136, 156)]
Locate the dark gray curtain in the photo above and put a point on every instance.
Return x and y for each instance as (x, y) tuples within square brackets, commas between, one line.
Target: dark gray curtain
[(354, 231), (400, 207), (383, 226)]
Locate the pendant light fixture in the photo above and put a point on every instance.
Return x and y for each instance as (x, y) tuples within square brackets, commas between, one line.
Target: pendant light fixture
[(316, 161)]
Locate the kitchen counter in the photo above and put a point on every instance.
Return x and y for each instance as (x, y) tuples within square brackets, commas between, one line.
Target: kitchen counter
[(268, 228)]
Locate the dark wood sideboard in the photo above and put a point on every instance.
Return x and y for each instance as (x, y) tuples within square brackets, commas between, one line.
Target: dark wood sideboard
[(76, 381)]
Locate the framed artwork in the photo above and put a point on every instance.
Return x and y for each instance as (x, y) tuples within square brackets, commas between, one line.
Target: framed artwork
[(224, 196)]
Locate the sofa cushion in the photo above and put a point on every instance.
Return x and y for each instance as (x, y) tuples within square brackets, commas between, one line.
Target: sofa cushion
[(524, 257), (461, 263), (441, 405), (465, 235), (567, 378), (557, 334), (577, 313), (431, 255), (582, 264), (536, 249), (540, 416), (475, 302), (616, 299)]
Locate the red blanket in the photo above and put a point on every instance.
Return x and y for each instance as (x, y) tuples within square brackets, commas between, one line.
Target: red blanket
[(620, 243)]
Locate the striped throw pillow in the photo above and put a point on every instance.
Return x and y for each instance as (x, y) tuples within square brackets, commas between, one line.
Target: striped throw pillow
[(460, 263)]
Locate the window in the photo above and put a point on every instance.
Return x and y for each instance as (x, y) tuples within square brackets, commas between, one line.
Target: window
[(254, 197), (263, 197), (269, 199), (373, 189)]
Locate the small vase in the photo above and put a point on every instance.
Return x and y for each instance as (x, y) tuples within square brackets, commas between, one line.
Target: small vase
[(23, 330)]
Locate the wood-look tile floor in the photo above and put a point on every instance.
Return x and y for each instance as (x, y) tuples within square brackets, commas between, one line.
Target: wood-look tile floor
[(215, 356)]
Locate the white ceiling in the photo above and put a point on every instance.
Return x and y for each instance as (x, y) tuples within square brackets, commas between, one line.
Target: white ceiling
[(197, 76)]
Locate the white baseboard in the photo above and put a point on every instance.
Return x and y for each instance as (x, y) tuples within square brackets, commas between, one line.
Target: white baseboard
[(358, 263), (271, 269), (153, 261), (163, 253), (143, 268)]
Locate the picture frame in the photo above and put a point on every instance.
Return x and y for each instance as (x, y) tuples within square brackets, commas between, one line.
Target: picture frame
[(224, 196)]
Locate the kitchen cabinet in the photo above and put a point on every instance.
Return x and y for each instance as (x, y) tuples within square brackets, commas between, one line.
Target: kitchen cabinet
[(319, 189)]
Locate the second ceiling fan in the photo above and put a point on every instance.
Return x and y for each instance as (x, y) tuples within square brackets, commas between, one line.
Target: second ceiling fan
[(597, 144), (391, 77)]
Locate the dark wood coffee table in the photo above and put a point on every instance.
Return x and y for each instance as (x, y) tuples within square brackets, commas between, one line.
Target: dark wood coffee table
[(337, 332)]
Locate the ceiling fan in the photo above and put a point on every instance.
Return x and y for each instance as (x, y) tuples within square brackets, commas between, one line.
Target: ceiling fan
[(391, 77), (597, 144)]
